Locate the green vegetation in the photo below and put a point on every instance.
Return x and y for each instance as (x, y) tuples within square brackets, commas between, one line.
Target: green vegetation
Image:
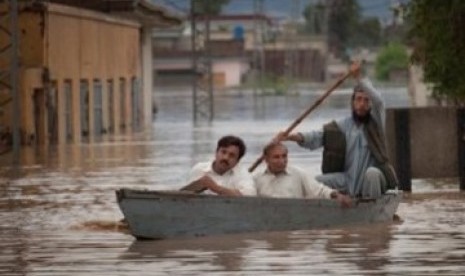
[(208, 6), (272, 85), (392, 57), (346, 27), (438, 32)]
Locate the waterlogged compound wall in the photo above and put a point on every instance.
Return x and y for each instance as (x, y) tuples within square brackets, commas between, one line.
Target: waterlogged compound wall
[(427, 142)]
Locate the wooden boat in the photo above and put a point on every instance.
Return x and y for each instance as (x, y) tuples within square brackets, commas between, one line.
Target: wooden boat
[(164, 214)]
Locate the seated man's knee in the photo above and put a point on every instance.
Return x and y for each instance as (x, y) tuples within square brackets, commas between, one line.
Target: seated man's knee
[(373, 173), (376, 182)]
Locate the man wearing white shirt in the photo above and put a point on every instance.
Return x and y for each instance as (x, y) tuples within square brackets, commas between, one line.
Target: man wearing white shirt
[(281, 180), (223, 176)]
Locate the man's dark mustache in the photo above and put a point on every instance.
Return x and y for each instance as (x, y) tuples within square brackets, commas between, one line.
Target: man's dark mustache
[(361, 119), (224, 162)]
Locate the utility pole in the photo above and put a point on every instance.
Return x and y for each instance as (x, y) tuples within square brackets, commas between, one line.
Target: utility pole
[(202, 81), (326, 36), (291, 62), (9, 68), (258, 55)]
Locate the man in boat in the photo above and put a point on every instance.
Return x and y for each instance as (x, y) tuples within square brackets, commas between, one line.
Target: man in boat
[(354, 152), (281, 180), (223, 176)]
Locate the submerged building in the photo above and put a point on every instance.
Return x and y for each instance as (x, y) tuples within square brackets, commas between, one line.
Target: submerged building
[(85, 68)]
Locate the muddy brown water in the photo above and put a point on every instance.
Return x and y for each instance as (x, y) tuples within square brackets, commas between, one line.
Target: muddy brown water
[(58, 214)]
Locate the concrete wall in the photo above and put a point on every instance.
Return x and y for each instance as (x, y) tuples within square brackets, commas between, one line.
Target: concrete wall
[(92, 46), (428, 138), (61, 44), (231, 69)]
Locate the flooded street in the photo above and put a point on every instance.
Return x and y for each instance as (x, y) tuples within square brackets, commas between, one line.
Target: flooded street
[(59, 216)]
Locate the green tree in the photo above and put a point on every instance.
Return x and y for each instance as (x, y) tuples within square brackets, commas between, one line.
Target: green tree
[(343, 22), (314, 19), (211, 7), (392, 57), (341, 19), (368, 33), (439, 45)]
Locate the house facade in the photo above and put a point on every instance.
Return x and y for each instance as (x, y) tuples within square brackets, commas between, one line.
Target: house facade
[(84, 74), (233, 38)]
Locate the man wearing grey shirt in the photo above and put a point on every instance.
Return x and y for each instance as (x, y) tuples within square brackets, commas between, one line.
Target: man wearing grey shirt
[(354, 157)]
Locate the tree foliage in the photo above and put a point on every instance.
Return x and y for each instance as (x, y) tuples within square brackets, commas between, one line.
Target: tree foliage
[(211, 7), (314, 19), (344, 23), (368, 33), (392, 57), (439, 45)]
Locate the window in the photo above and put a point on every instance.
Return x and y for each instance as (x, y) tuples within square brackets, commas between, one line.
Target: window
[(111, 111), (122, 100), (84, 107), (52, 113), (68, 94), (98, 112), (135, 102)]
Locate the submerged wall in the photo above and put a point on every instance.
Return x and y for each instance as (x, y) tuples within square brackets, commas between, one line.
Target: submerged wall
[(427, 142)]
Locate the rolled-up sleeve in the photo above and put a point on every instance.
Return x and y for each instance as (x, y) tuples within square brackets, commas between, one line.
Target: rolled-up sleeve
[(195, 173), (312, 140), (314, 189)]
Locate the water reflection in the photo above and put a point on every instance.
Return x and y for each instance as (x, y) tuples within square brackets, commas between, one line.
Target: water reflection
[(222, 252), (365, 247), (281, 252)]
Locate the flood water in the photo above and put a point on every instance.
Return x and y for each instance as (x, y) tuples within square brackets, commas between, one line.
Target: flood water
[(58, 213)]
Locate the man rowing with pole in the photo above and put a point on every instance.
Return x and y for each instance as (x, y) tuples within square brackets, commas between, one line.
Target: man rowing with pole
[(354, 156)]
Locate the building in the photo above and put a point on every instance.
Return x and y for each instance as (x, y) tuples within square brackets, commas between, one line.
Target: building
[(85, 68), (233, 39), (243, 47), (173, 67)]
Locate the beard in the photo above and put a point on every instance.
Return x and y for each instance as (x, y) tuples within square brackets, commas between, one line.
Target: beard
[(361, 119)]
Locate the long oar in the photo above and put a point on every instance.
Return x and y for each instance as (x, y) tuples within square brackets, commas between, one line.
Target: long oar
[(305, 114)]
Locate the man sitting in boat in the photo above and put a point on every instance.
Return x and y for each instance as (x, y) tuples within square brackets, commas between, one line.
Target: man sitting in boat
[(281, 180), (354, 156), (223, 176)]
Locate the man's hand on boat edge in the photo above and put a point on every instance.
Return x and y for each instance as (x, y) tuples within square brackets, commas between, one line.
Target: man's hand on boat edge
[(344, 201)]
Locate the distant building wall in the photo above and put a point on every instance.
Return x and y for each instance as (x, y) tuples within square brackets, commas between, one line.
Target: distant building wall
[(63, 49), (309, 64), (81, 46), (232, 70)]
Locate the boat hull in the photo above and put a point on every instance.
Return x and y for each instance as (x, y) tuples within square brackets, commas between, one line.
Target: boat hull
[(161, 215)]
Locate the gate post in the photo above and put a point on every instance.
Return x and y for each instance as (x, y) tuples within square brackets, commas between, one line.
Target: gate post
[(461, 146), (402, 136)]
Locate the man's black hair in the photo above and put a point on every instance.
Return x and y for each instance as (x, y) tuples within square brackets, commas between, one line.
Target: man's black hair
[(231, 140)]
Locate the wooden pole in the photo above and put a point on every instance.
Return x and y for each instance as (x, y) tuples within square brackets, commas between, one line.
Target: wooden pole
[(305, 114)]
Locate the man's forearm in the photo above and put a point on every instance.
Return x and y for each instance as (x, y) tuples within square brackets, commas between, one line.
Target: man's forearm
[(296, 137), (220, 190)]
